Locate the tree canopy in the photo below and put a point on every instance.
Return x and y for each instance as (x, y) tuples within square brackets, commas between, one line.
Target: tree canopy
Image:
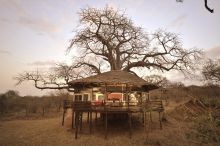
[(108, 40), (111, 38)]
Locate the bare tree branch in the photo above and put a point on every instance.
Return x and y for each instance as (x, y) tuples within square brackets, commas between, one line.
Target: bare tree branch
[(166, 54), (58, 77)]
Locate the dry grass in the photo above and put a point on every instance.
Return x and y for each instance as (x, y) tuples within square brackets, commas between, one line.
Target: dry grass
[(50, 132)]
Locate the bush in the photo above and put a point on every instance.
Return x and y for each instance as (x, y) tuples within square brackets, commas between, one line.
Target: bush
[(205, 129), (13, 104)]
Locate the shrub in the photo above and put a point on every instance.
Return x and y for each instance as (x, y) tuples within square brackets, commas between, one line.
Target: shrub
[(206, 129)]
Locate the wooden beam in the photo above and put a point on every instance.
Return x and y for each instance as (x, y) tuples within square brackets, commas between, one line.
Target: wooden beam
[(81, 118), (130, 132), (90, 122), (106, 113), (64, 112), (160, 121), (77, 124), (73, 119)]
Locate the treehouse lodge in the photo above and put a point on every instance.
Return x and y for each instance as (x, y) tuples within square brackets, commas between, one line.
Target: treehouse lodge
[(110, 93)]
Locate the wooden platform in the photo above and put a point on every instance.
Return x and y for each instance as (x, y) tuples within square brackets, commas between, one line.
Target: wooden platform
[(107, 108)]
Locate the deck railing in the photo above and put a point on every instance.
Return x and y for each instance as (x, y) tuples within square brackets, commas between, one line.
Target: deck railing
[(153, 105)]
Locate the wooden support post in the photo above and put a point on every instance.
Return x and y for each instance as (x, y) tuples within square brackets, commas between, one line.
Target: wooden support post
[(106, 113), (81, 118), (160, 120), (64, 112), (151, 116), (106, 124), (127, 97), (77, 123), (88, 114), (147, 127), (43, 111), (145, 121), (140, 100), (130, 125), (90, 122), (96, 116), (73, 119), (143, 116), (101, 117)]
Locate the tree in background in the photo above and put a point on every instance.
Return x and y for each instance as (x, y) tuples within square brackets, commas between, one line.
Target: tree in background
[(108, 40), (158, 80), (7, 101), (12, 103), (211, 71)]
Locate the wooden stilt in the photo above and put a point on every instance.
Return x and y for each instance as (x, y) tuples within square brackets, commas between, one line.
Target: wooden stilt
[(81, 118), (73, 119), (145, 122), (130, 132), (64, 112), (143, 118), (151, 116), (106, 112), (77, 123), (90, 122), (148, 126), (106, 125), (88, 117), (96, 117), (160, 121)]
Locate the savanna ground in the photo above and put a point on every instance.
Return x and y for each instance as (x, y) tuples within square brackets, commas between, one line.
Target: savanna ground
[(187, 121)]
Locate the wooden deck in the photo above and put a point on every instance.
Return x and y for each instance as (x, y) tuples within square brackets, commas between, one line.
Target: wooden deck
[(107, 108)]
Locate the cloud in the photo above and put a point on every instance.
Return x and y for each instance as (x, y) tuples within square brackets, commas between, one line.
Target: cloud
[(42, 63), (213, 52), (40, 33), (39, 24), (24, 13), (5, 52), (5, 20), (178, 22), (177, 76)]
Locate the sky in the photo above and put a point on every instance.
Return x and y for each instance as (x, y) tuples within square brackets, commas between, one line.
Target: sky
[(36, 33)]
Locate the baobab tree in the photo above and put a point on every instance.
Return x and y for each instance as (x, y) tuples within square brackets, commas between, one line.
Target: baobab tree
[(108, 40)]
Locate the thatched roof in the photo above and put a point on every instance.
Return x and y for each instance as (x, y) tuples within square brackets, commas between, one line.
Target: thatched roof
[(113, 78)]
